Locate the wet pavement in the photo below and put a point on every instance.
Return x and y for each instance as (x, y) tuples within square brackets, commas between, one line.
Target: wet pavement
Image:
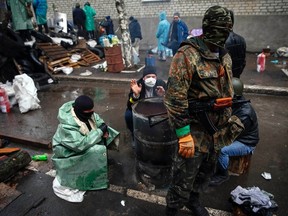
[(109, 91)]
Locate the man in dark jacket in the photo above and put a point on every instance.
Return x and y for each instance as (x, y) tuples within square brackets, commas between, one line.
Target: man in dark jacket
[(236, 46), (135, 33), (79, 17), (245, 143), (147, 86), (109, 27)]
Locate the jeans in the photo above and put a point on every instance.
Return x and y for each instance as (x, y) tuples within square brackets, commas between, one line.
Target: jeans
[(235, 149)]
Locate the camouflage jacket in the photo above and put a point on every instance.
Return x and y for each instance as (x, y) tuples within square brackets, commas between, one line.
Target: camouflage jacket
[(197, 73)]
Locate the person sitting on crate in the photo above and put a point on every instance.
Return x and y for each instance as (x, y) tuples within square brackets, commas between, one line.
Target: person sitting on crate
[(80, 150), (246, 142), (146, 87)]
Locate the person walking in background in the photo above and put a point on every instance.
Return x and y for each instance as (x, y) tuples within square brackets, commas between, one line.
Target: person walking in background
[(21, 21), (40, 8), (178, 32), (135, 33), (162, 35), (236, 45), (89, 22), (79, 17), (109, 27), (200, 72), (246, 142), (147, 86)]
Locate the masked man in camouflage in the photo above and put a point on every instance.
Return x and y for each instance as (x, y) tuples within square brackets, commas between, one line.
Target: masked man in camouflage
[(200, 72)]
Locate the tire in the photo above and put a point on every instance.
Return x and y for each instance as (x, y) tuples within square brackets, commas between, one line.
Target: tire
[(97, 51)]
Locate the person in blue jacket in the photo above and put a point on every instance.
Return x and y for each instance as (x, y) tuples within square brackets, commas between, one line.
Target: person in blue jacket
[(178, 32), (135, 33), (40, 8), (162, 35)]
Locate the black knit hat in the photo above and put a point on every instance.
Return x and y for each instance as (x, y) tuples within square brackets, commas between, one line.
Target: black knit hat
[(149, 70), (83, 103)]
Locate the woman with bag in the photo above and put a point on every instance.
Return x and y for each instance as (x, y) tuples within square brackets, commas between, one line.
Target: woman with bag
[(20, 19)]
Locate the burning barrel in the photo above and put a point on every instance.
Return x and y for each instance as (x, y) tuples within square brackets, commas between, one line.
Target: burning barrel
[(155, 142)]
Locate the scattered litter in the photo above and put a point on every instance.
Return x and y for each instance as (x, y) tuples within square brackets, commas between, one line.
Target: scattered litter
[(102, 66), (75, 57), (123, 202), (274, 61), (86, 73), (51, 173), (32, 168), (285, 71), (282, 51), (92, 43), (66, 70), (266, 175)]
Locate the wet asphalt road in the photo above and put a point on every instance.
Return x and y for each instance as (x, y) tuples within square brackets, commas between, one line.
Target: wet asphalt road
[(110, 102)]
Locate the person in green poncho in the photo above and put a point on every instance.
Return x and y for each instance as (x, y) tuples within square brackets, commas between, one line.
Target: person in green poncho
[(79, 147), (89, 22)]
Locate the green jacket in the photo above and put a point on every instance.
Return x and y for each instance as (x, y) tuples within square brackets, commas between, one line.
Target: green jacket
[(19, 15), (89, 22), (195, 74), (80, 156)]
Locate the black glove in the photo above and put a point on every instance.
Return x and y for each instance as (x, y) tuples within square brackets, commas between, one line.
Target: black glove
[(104, 128)]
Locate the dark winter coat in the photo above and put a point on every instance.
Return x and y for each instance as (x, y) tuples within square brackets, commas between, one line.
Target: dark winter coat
[(236, 46), (135, 30), (246, 113), (78, 16)]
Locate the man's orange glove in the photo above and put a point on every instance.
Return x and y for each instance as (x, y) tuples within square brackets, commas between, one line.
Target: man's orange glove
[(186, 146)]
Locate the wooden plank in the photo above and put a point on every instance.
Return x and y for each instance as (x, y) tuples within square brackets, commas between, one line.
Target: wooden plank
[(8, 150), (7, 195), (30, 141)]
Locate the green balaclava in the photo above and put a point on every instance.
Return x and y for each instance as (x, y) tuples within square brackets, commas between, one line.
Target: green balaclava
[(216, 25)]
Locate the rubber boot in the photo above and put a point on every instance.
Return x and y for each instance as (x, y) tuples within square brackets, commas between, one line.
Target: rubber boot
[(195, 206), (171, 211), (219, 177)]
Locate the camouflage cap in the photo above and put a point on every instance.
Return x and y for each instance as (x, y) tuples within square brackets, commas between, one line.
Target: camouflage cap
[(217, 24)]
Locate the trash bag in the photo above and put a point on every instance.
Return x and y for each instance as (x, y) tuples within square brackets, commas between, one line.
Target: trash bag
[(25, 93), (136, 59), (282, 51)]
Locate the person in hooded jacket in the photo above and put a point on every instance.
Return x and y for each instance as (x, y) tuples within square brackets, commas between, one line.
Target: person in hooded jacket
[(80, 146), (147, 86), (79, 17), (135, 33), (109, 27), (40, 8), (162, 35), (89, 22), (200, 72)]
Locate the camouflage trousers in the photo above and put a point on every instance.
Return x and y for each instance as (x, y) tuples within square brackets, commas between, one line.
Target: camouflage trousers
[(190, 176)]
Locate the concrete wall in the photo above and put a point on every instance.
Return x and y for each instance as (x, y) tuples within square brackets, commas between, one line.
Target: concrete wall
[(261, 22)]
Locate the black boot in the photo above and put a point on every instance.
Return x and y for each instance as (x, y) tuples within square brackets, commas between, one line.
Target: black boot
[(195, 206), (171, 211), (219, 177)]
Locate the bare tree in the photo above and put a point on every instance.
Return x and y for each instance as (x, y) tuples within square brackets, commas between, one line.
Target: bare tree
[(126, 40)]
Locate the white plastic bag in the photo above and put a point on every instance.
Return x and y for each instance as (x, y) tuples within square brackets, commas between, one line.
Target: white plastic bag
[(25, 93), (66, 193), (136, 59)]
